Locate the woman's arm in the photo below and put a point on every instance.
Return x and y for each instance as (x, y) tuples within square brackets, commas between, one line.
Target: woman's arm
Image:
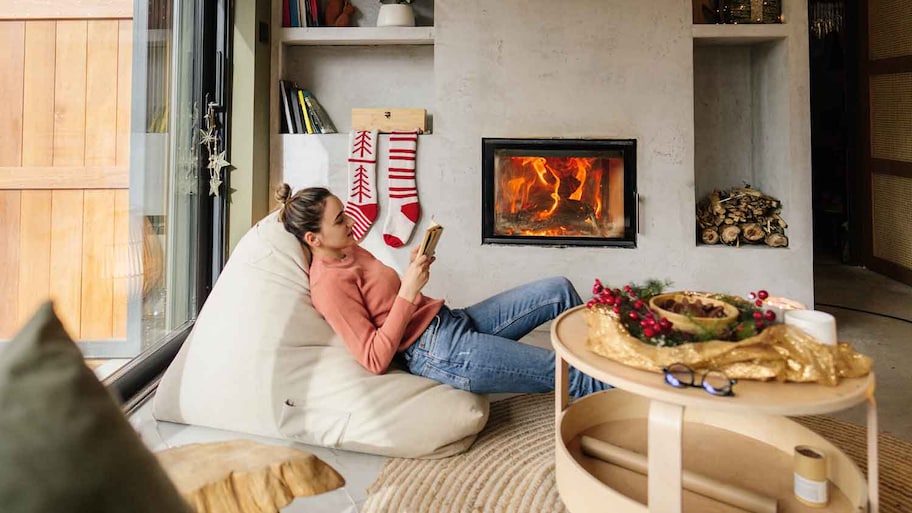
[(341, 303)]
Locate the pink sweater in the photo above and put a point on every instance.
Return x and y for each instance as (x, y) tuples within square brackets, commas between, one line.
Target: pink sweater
[(358, 296)]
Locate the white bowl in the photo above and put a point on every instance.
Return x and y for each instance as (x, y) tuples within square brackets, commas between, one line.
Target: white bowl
[(396, 15)]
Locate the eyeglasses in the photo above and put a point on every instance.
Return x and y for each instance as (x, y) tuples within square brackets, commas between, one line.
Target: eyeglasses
[(714, 381)]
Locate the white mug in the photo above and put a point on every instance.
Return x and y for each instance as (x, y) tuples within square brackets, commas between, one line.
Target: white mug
[(820, 325)]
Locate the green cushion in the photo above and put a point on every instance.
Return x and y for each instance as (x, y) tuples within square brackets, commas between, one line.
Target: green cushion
[(65, 445)]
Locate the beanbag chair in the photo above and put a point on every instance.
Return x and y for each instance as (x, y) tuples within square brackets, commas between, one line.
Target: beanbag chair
[(261, 360)]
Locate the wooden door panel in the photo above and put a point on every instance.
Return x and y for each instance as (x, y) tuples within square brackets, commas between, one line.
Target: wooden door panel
[(70, 94), (122, 271), (124, 74), (12, 55), (64, 166), (34, 252), (9, 262), (101, 97), (66, 257), (38, 101), (97, 265)]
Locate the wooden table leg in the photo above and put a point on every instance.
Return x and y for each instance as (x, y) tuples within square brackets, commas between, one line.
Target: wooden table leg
[(873, 474), (664, 447), (561, 385)]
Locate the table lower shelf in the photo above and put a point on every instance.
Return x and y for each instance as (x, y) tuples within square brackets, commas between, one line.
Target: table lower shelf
[(752, 452)]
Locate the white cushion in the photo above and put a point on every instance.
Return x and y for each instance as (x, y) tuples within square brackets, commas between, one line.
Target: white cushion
[(261, 360)]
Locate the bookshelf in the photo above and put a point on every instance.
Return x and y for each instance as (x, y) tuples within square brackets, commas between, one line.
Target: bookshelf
[(346, 68), (357, 36), (704, 34), (750, 116)]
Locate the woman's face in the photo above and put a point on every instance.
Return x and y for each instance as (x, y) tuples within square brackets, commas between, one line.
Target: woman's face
[(335, 227)]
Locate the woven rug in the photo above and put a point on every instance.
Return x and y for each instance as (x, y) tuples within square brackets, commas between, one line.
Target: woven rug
[(510, 468)]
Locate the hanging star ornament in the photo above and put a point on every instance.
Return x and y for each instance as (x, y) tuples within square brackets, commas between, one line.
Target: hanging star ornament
[(207, 137), (214, 183), (216, 164)]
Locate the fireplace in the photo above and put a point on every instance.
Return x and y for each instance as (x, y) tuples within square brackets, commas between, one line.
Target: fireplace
[(559, 192)]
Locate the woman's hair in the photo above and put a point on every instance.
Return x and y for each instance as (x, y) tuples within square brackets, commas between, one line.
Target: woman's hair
[(302, 211)]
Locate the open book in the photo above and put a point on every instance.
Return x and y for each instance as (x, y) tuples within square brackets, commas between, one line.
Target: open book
[(431, 237)]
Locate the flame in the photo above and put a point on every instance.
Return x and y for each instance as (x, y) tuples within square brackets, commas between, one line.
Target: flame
[(539, 185)]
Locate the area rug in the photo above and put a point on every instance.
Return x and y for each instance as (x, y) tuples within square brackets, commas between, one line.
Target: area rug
[(510, 468)]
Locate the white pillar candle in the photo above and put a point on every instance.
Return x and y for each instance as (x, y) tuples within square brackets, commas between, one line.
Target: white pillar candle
[(820, 325), (779, 305)]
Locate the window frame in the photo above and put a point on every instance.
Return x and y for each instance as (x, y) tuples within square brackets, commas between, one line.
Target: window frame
[(137, 380)]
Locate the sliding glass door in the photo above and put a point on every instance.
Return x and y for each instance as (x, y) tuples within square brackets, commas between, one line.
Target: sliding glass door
[(176, 77)]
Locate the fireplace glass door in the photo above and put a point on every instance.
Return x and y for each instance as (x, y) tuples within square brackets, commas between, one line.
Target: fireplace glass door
[(559, 192)]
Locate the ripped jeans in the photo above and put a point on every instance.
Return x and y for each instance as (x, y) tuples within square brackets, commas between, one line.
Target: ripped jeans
[(476, 348)]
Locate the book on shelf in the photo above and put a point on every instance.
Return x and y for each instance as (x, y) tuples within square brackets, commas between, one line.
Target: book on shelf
[(316, 12), (308, 120), (300, 112), (322, 118), (294, 16), (286, 14), (285, 109), (304, 9)]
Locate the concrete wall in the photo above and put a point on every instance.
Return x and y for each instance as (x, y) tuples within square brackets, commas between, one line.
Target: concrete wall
[(613, 69)]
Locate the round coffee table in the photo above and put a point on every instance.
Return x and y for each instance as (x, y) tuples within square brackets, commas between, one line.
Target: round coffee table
[(649, 415)]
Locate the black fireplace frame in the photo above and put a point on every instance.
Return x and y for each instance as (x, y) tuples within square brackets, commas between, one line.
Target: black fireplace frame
[(489, 146)]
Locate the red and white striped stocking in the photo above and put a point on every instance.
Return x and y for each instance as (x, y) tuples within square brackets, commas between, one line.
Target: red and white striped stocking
[(362, 176), (403, 210)]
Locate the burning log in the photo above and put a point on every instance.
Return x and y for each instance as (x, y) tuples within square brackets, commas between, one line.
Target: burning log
[(741, 214)]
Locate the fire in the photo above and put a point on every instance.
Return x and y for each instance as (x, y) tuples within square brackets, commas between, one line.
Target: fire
[(542, 186)]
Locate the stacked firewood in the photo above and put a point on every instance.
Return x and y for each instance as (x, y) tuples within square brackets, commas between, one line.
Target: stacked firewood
[(741, 215)]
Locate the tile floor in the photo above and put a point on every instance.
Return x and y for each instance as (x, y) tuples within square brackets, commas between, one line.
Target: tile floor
[(872, 312)]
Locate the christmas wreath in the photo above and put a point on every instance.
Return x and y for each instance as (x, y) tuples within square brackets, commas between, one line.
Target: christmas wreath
[(663, 324)]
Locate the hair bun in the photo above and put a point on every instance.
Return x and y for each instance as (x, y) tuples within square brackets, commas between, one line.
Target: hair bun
[(283, 193)]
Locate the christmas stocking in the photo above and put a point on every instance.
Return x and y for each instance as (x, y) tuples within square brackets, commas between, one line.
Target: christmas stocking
[(362, 173), (404, 209)]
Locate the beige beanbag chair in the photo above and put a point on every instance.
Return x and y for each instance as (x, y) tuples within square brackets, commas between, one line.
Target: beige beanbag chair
[(261, 360)]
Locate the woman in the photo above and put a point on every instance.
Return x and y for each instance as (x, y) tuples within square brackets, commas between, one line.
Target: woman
[(378, 315)]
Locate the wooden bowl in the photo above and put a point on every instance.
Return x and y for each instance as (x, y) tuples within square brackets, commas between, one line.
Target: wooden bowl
[(692, 324)]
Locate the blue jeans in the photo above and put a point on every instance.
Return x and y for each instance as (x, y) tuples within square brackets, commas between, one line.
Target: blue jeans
[(476, 348)]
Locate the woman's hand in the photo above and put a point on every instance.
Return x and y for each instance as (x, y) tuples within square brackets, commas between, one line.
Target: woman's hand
[(416, 276)]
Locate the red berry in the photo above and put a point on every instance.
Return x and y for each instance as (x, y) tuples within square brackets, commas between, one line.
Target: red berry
[(617, 310), (626, 288), (759, 325), (590, 304), (649, 332), (753, 295), (758, 302), (649, 315), (665, 324), (763, 294), (597, 289), (770, 315), (639, 304), (634, 316), (758, 315)]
